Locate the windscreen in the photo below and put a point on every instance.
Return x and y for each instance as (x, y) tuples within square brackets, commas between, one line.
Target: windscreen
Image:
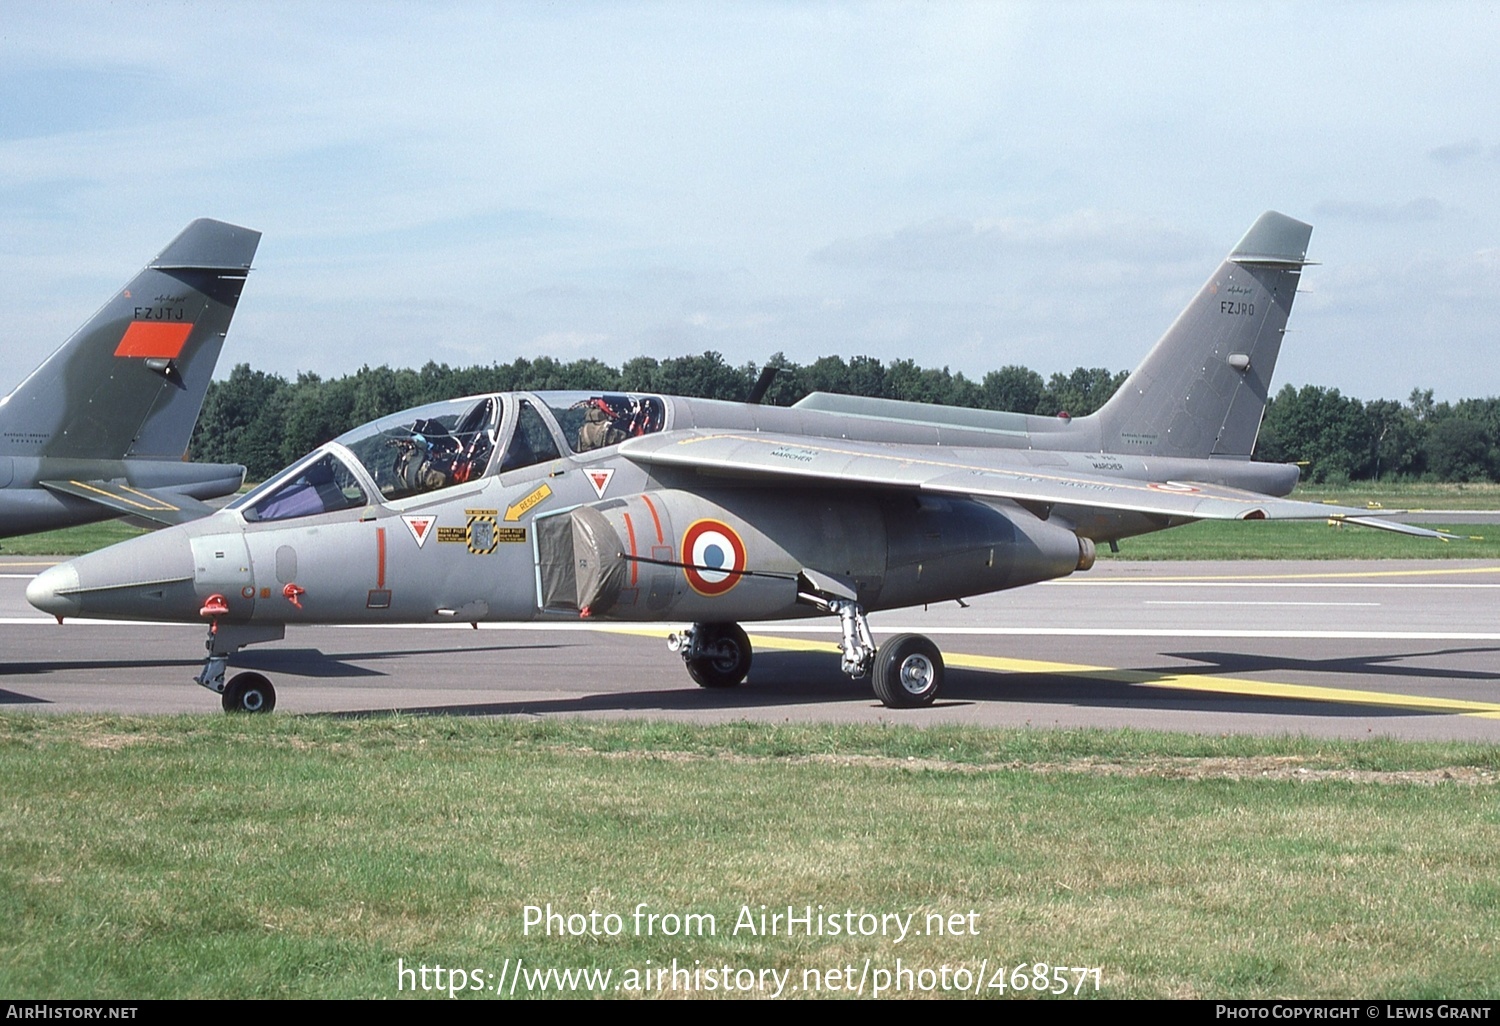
[(321, 486)]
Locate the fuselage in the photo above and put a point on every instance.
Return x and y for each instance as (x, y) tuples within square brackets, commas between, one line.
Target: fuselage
[(399, 522)]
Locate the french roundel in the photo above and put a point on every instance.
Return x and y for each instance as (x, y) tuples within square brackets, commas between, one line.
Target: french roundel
[(714, 555)]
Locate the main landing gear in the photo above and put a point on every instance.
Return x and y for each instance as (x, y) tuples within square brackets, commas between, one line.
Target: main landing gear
[(907, 671), (717, 654)]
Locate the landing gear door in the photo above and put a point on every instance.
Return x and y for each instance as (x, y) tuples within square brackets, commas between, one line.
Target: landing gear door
[(221, 564)]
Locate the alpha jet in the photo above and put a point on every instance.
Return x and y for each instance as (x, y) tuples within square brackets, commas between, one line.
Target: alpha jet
[(637, 507), (101, 428)]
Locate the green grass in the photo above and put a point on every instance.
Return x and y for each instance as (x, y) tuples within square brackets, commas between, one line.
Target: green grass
[(70, 541), (1266, 539), (302, 857), (1414, 495)]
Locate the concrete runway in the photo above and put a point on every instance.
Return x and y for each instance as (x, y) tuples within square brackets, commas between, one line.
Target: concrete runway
[(1400, 648)]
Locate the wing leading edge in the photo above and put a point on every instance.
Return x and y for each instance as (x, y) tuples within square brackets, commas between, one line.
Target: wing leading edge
[(945, 471)]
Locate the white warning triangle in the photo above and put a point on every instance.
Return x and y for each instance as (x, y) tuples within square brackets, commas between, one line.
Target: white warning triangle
[(420, 528), (599, 479)]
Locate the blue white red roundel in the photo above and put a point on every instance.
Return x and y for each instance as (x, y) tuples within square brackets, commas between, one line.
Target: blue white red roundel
[(714, 557)]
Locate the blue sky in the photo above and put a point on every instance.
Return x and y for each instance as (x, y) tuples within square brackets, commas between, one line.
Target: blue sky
[(969, 185)]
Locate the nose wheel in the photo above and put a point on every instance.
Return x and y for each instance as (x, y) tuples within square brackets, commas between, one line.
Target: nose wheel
[(249, 693)]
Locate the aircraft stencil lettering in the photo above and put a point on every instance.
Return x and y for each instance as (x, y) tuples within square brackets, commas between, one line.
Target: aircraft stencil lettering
[(725, 512), (101, 428)]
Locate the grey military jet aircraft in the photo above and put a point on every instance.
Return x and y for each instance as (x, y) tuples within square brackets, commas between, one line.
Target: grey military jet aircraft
[(101, 428), (606, 507)]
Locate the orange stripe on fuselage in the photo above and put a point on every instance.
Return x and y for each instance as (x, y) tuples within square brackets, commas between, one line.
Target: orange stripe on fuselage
[(154, 339), (654, 519), (630, 530)]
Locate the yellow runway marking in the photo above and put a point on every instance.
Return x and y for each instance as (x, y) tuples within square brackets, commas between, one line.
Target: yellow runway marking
[(1207, 683), (1210, 683)]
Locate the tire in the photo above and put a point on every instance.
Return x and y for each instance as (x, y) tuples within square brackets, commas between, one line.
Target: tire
[(908, 672), (726, 655), (249, 693)]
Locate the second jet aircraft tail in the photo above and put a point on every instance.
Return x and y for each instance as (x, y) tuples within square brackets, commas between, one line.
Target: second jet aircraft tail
[(130, 382), (1202, 389)]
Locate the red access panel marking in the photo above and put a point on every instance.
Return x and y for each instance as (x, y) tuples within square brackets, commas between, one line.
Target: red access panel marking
[(154, 339)]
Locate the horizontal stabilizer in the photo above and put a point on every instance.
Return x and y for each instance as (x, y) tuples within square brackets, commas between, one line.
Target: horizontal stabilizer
[(1398, 528), (209, 245), (166, 508)]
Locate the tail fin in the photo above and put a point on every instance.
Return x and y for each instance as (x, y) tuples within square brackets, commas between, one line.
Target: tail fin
[(131, 382), (1202, 389)]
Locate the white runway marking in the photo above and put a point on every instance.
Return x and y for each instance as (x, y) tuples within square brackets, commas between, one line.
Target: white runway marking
[(832, 630), (1279, 585), (1197, 602)]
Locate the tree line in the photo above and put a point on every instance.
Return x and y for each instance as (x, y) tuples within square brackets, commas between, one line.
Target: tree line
[(265, 421)]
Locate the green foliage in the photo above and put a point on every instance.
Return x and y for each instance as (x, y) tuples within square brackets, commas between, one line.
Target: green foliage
[(1080, 393), (1318, 426), (1018, 389), (1459, 449), (266, 422), (1339, 438)]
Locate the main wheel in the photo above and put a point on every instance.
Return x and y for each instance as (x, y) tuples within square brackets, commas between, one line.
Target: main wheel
[(726, 655), (249, 693), (908, 672)]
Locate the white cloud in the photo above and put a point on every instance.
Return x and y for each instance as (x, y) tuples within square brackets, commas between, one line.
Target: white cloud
[(967, 184)]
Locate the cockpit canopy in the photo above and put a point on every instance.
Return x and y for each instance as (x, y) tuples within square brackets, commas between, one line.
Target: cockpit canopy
[(427, 448), (450, 443)]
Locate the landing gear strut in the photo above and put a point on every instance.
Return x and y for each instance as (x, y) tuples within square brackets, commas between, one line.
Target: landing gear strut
[(907, 671)]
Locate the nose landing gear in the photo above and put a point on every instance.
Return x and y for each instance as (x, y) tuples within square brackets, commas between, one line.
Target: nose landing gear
[(246, 692)]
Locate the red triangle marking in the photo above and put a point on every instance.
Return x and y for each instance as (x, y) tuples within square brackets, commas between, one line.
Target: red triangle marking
[(600, 480)]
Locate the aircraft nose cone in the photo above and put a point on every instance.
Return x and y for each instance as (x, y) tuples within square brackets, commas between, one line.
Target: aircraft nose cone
[(54, 590), (145, 578)]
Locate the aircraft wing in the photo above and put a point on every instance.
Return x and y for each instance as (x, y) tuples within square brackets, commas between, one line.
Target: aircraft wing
[(976, 473), (166, 508)]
